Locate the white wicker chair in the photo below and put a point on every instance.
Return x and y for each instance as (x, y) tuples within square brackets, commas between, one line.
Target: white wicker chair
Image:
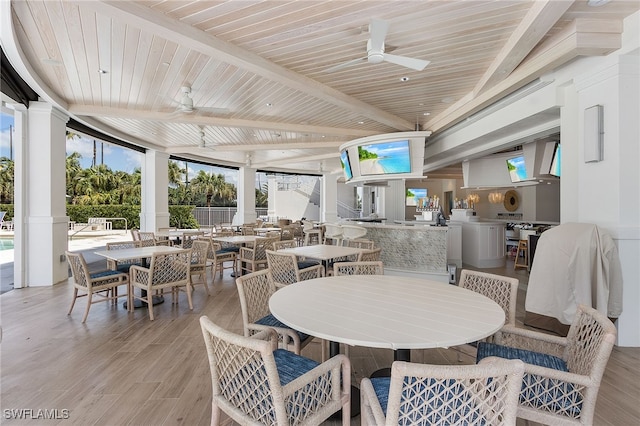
[(285, 268), (97, 283), (370, 255), (217, 257), (332, 233), (358, 268), (254, 258), (562, 374), (483, 394), (502, 290), (254, 291), (254, 383), (353, 232), (199, 262), (312, 235), (166, 270), (125, 265)]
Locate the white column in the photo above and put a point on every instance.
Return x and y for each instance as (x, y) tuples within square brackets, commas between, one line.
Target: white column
[(154, 212), (45, 184), (272, 208), (21, 161), (246, 196), (329, 198)]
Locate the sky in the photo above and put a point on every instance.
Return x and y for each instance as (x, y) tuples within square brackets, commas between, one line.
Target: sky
[(114, 156)]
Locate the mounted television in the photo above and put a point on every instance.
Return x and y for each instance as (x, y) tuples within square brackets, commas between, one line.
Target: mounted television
[(517, 169), (414, 195), (555, 162), (385, 158), (346, 165)]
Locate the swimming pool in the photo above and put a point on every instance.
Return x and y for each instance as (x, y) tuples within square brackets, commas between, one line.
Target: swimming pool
[(6, 244)]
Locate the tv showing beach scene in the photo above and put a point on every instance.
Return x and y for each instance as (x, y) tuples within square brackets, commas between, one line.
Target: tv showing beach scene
[(346, 166), (414, 195), (385, 158), (517, 169)]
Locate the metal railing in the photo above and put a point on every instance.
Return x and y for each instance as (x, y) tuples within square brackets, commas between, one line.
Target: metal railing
[(210, 216)]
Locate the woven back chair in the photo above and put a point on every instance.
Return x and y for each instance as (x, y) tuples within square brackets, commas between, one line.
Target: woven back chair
[(332, 234), (253, 382), (122, 266), (483, 394), (312, 235), (166, 270), (277, 245), (103, 284), (358, 268), (254, 291), (562, 374), (200, 262), (218, 257), (359, 243), (285, 268), (353, 232), (370, 255), (502, 290), (188, 237), (255, 258)]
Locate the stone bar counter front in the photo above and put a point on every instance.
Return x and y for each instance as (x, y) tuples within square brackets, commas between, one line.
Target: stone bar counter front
[(411, 250)]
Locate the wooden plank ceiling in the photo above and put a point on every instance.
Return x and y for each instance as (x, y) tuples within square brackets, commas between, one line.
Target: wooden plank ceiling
[(258, 70)]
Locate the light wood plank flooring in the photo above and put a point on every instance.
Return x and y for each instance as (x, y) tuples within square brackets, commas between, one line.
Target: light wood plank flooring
[(122, 369)]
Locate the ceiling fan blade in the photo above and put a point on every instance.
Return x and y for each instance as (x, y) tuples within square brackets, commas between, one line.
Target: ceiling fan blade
[(213, 110), (378, 32), (416, 64), (345, 64)]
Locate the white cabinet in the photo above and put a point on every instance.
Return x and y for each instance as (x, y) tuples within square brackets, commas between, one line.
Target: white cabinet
[(454, 244), (483, 244)]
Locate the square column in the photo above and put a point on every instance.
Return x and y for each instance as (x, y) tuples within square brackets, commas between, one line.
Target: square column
[(47, 224), (246, 196), (329, 198), (154, 212)]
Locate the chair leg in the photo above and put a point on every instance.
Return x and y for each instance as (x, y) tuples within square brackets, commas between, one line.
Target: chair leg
[(150, 305), (189, 290), (86, 312), (73, 301)]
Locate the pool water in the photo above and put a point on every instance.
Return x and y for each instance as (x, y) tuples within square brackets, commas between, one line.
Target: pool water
[(6, 244)]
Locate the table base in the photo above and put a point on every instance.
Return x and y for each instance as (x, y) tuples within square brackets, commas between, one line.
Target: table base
[(398, 355), (137, 303)]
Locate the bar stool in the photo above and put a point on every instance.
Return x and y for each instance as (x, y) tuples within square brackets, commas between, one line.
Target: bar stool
[(523, 247)]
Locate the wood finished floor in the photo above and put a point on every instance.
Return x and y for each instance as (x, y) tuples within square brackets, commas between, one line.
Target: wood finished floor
[(122, 369)]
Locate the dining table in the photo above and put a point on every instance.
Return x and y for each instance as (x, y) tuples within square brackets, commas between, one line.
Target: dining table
[(323, 252), (142, 253), (387, 311)]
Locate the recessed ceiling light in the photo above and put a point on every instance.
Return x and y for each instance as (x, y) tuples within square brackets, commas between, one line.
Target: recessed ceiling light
[(404, 78), (269, 104), (426, 113), (101, 71), (360, 122)]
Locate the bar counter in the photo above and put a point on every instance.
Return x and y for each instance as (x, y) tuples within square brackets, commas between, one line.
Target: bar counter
[(415, 250)]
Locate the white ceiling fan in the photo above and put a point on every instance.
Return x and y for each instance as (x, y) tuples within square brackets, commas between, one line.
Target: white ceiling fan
[(185, 104), (376, 52)]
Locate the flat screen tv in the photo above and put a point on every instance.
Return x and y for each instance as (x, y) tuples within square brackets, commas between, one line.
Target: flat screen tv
[(517, 169), (346, 165), (385, 158), (555, 162), (414, 195)]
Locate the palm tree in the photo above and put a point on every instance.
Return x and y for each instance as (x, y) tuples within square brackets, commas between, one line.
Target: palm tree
[(210, 184), (6, 180)]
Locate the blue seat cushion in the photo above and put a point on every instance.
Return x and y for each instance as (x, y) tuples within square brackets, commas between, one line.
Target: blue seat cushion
[(547, 394), (271, 321), (432, 408), (303, 264), (486, 349), (291, 366), (234, 249), (102, 274)]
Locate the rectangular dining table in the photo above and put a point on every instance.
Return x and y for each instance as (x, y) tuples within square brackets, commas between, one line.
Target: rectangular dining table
[(142, 253)]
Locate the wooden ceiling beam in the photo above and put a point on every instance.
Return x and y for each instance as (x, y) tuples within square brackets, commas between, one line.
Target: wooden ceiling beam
[(540, 18), (147, 19), (94, 111), (577, 39)]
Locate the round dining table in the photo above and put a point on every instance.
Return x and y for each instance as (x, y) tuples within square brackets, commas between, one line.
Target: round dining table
[(386, 311)]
